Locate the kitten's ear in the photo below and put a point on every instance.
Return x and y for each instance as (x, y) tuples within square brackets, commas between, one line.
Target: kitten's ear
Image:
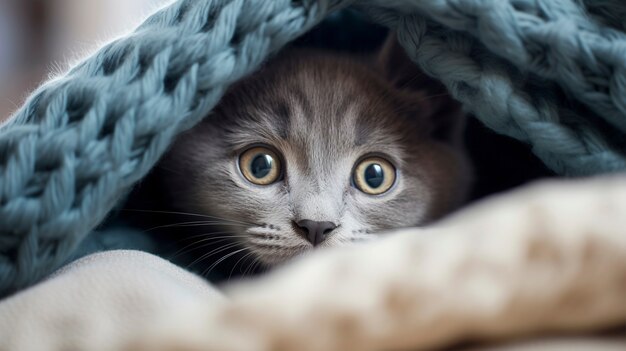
[(423, 96)]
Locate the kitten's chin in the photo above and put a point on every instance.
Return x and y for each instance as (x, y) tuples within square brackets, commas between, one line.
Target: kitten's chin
[(272, 256)]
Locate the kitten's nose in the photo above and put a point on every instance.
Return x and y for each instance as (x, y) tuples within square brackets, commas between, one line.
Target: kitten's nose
[(316, 231)]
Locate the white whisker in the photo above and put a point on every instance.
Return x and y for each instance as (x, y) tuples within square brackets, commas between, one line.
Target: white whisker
[(213, 252), (195, 224), (191, 214), (206, 272)]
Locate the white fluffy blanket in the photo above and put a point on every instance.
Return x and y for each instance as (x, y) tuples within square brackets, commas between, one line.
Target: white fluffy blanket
[(543, 262)]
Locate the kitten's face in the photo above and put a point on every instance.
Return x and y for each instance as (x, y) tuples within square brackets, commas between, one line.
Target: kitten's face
[(315, 150)]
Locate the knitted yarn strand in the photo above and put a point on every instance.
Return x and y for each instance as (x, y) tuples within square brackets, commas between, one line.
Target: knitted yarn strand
[(554, 39)]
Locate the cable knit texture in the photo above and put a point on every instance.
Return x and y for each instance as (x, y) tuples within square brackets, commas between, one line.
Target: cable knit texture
[(549, 72)]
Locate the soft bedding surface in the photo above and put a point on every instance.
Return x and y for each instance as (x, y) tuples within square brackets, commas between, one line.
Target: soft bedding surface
[(541, 268)]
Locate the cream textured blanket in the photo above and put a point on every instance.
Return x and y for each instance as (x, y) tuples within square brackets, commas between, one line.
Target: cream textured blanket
[(548, 260)]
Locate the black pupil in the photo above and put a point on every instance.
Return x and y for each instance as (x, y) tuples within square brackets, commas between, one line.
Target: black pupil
[(261, 165), (374, 175)]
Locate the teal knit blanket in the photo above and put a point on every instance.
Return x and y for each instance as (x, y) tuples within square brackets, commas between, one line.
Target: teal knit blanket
[(551, 73)]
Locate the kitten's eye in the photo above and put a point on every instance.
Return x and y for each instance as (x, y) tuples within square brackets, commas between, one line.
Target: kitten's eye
[(374, 175), (260, 166)]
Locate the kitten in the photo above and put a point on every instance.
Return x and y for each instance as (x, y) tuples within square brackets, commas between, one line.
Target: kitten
[(319, 149)]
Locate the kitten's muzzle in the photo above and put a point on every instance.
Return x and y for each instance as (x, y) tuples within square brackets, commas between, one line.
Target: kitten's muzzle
[(314, 231)]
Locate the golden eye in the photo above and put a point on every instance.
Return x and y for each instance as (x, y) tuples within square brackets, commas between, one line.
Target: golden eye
[(260, 165), (374, 175)]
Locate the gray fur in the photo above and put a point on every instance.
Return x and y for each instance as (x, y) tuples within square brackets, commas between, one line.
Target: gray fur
[(322, 112)]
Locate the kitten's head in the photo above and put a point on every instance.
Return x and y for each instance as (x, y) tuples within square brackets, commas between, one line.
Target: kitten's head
[(318, 149)]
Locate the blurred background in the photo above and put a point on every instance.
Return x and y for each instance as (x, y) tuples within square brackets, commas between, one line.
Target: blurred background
[(40, 38)]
